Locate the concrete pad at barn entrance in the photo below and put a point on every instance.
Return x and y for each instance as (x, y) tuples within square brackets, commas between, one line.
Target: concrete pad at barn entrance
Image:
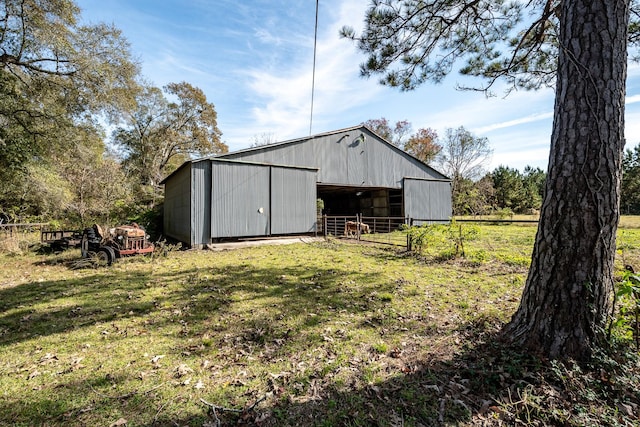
[(247, 243)]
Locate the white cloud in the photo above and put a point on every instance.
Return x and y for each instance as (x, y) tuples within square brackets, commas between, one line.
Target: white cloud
[(283, 104), (515, 122)]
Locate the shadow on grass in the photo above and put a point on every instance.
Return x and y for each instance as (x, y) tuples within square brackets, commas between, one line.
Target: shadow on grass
[(244, 306), (39, 309), (458, 390), (42, 308)]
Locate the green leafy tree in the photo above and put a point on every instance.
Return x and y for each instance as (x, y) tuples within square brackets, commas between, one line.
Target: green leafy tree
[(630, 200), (94, 178), (581, 47), (509, 188), (483, 201), (533, 181), (55, 74), (158, 131), (53, 68), (464, 198), (520, 192)]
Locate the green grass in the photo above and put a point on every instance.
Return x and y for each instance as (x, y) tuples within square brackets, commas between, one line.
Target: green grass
[(331, 333)]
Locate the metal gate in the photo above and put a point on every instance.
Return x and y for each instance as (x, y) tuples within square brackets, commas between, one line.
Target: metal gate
[(387, 230)]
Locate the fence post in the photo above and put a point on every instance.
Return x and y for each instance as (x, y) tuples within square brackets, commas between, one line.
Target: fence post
[(324, 225), (409, 242)]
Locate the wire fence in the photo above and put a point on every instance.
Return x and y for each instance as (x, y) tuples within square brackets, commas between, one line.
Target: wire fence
[(386, 230), (389, 230)]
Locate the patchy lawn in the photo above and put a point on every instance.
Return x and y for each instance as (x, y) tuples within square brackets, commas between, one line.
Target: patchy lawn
[(328, 334)]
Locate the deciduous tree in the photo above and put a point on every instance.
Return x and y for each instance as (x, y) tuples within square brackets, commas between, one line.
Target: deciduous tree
[(264, 138), (463, 155), (94, 178), (581, 47), (462, 158), (395, 135), (55, 74), (158, 130), (423, 145)]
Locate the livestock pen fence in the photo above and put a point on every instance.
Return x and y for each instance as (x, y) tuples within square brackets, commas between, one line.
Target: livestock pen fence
[(388, 230)]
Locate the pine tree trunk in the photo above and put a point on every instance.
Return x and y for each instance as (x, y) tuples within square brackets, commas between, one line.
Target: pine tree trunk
[(568, 292)]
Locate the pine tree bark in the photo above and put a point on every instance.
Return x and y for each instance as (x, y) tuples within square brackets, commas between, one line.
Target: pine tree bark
[(568, 291)]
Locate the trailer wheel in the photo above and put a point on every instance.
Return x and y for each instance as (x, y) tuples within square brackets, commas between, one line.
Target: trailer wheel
[(112, 253), (105, 255)]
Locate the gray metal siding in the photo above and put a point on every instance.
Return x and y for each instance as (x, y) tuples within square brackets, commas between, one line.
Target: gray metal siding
[(239, 200), (343, 158), (293, 200), (427, 199), (201, 203), (177, 206)]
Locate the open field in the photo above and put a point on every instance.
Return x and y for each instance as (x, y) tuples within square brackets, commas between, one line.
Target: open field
[(328, 334)]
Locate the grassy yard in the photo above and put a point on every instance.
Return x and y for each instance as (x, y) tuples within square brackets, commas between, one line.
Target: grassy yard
[(326, 334)]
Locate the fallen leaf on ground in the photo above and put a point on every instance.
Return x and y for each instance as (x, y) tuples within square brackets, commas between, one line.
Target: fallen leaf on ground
[(120, 422)]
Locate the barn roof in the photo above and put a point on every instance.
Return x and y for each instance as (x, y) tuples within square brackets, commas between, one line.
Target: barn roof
[(276, 145), (222, 160), (293, 141)]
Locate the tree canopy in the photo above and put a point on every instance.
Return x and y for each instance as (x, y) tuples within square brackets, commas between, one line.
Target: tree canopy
[(422, 144), (395, 135), (55, 77), (630, 200), (412, 42), (59, 81), (463, 154), (159, 130)]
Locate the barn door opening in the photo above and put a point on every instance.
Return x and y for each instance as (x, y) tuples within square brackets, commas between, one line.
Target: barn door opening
[(368, 201)]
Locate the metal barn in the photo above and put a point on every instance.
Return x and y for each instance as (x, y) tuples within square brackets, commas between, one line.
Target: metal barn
[(215, 198), (272, 189), (359, 172)]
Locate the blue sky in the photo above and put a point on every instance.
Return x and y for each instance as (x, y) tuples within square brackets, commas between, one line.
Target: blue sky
[(253, 59)]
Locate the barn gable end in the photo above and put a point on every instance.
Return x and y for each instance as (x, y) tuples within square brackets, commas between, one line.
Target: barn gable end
[(354, 156)]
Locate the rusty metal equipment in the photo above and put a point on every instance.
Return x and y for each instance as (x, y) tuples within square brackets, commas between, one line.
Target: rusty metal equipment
[(124, 240), (102, 247)]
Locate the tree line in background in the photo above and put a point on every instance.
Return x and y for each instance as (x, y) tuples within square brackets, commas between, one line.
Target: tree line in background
[(504, 191), (62, 83)]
